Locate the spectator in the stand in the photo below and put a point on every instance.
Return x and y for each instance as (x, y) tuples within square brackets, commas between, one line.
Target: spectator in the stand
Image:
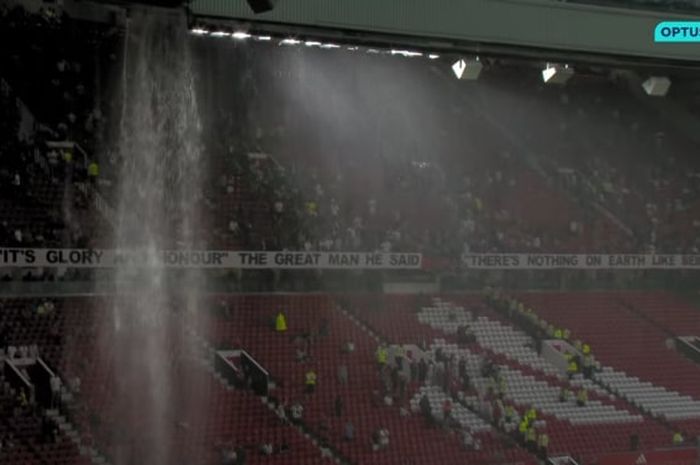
[(542, 445), (582, 397), (7, 443), (467, 440), (280, 323), (509, 421), (229, 456), (388, 400), (522, 428), (531, 415), (402, 383), (297, 412), (281, 412), (349, 431), (55, 384), (564, 394), (465, 335), (531, 439), (382, 355), (425, 409), (310, 381), (486, 408), (380, 439), (422, 370), (302, 355), (586, 349), (266, 448), (22, 399), (678, 438), (93, 171), (349, 347), (446, 412), (588, 366)]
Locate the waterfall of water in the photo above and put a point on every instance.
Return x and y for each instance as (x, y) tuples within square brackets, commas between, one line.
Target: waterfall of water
[(158, 196)]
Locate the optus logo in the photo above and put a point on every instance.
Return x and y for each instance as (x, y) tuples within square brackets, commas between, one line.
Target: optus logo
[(677, 31)]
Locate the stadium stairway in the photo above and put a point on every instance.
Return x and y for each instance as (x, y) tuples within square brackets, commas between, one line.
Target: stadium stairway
[(207, 362), (240, 418)]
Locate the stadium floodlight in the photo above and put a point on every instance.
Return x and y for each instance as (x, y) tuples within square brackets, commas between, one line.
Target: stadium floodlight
[(406, 53), (220, 34), (240, 35), (199, 31), (263, 38), (433, 56), (290, 41), (261, 6), (557, 74), (467, 69), (313, 43), (657, 86)]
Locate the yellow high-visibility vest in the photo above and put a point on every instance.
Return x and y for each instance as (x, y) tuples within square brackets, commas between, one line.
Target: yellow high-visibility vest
[(522, 427), (311, 208), (582, 396), (382, 355), (531, 415), (280, 322), (573, 367), (531, 435), (510, 411), (677, 438), (93, 169), (311, 378)]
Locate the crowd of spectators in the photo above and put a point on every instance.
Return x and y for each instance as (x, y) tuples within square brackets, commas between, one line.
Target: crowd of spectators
[(48, 121), (631, 187), (54, 65)]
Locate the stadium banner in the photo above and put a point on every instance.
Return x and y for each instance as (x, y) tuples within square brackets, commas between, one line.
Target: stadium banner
[(215, 259), (524, 261), (681, 456)]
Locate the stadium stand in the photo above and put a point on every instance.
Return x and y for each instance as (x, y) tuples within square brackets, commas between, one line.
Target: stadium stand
[(531, 380), (248, 328), (423, 379), (662, 382), (543, 201), (616, 409)]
